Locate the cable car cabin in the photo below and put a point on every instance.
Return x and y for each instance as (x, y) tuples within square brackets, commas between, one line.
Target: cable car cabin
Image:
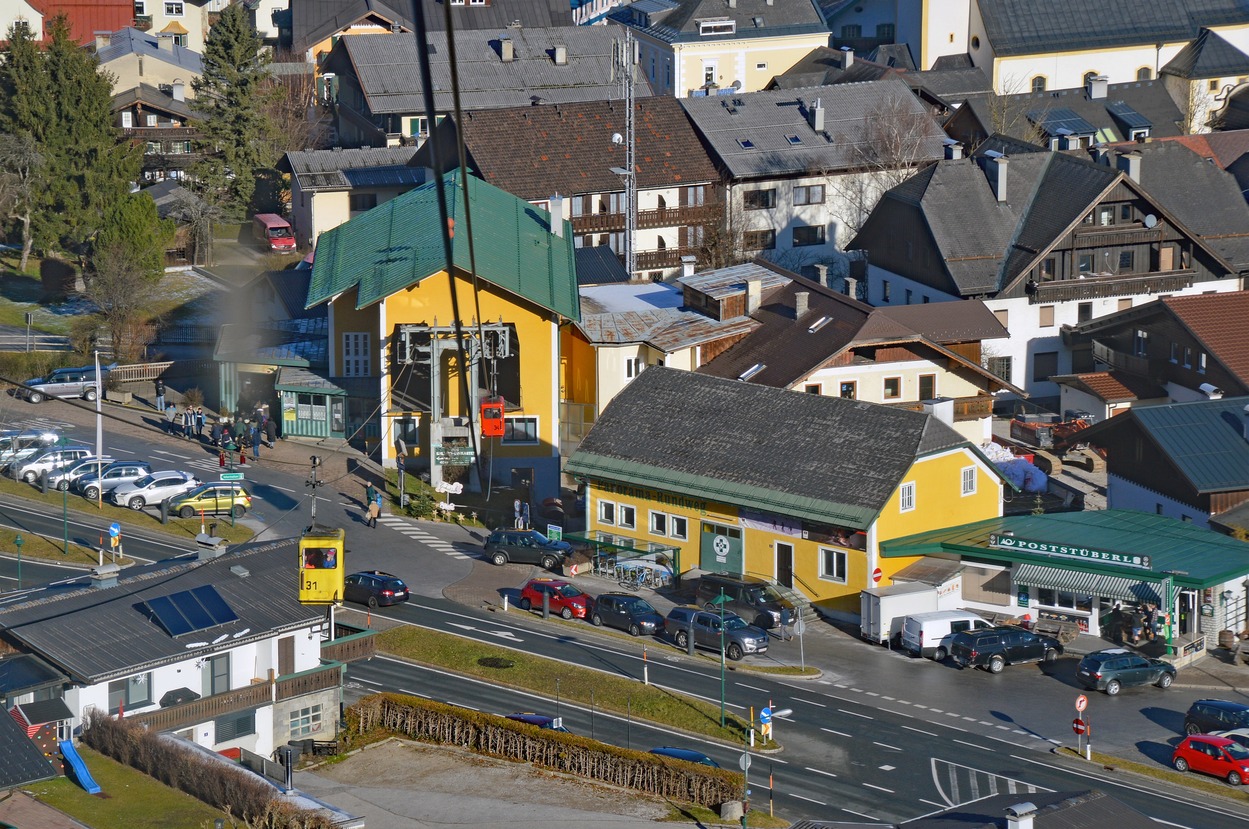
[(492, 417), (321, 570)]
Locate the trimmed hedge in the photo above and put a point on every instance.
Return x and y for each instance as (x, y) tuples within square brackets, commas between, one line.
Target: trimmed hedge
[(436, 722)]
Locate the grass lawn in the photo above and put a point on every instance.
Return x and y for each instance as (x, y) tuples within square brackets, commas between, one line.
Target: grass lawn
[(535, 673), (1191, 780), (130, 799), (103, 516)]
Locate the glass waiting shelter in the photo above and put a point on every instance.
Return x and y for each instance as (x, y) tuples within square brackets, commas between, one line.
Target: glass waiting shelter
[(615, 556)]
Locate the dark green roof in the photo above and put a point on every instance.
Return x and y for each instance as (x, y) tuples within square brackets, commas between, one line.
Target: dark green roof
[(823, 459), (1205, 439), (397, 244), (1200, 558)]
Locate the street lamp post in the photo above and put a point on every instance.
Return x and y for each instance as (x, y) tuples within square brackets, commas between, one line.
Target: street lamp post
[(720, 600), (19, 541), (64, 508)]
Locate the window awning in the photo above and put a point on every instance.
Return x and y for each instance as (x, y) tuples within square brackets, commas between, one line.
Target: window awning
[(175, 28), (1088, 584)]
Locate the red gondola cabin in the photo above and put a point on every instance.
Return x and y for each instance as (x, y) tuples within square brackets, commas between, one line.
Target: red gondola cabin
[(492, 417)]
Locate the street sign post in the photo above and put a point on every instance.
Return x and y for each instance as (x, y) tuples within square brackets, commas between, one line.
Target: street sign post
[(232, 476), (1084, 733), (1079, 726), (1081, 702), (765, 723)]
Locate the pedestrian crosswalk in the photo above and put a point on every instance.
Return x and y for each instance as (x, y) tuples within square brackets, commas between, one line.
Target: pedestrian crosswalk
[(415, 533), (959, 784)]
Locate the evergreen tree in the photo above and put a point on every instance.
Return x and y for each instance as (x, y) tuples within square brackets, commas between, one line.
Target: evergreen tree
[(24, 88), (90, 166), (229, 99)]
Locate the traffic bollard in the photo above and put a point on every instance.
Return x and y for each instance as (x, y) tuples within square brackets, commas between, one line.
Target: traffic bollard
[(689, 644), (546, 605)]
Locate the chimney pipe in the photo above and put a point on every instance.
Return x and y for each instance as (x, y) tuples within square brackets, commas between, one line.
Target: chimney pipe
[(102, 41), (997, 176), (561, 55), (557, 214), (754, 295), (953, 150), (821, 274), (687, 264), (507, 49), (1097, 86), (801, 303), (1130, 163), (1020, 815), (816, 116), (847, 57)]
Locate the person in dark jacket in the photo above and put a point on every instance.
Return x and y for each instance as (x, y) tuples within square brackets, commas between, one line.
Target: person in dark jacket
[(271, 432), (160, 394)]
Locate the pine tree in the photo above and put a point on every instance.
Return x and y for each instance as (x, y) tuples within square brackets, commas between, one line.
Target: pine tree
[(24, 90), (229, 99), (90, 166)]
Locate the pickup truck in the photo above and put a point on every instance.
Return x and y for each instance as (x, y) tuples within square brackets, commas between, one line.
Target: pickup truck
[(995, 648)]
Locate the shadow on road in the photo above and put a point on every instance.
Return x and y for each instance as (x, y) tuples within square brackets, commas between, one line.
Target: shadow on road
[(1170, 720)]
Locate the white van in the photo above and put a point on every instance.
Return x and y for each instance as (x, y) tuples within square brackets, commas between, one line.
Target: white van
[(927, 634)]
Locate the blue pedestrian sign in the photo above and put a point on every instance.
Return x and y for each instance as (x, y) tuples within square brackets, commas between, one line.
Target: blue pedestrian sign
[(114, 530), (765, 722), (765, 716)]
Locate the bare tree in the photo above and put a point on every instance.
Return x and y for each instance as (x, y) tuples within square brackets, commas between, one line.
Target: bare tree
[(296, 121), (123, 288), (21, 171), (1009, 112), (199, 216)]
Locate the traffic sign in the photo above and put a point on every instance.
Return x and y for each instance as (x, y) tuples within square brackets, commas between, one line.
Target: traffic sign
[(744, 762), (114, 530), (1081, 702), (800, 626), (1079, 726), (765, 716), (876, 574), (232, 476)]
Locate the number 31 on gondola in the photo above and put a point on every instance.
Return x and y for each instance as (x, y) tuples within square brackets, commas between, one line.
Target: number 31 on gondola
[(321, 565)]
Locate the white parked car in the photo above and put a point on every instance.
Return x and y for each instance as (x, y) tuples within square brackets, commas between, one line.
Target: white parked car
[(64, 477), (51, 458), (152, 489)]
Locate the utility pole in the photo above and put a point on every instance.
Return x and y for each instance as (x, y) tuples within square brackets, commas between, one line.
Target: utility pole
[(312, 483), (628, 172)]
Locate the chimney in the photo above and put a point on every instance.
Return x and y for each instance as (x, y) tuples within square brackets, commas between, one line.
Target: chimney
[(507, 49), (1130, 163), (561, 55), (1101, 154), (815, 115), (953, 150), (1246, 413), (847, 57), (801, 303), (1020, 816), (166, 43), (996, 170), (105, 576), (1065, 141), (178, 90), (821, 274), (941, 408), (1097, 86), (754, 295), (687, 264), (102, 41), (732, 4), (852, 287), (557, 214)]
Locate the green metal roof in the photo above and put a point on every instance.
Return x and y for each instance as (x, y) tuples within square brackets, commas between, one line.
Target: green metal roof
[(397, 244), (1197, 558), (1205, 439)]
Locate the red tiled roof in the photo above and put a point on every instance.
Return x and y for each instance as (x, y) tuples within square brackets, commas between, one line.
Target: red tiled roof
[(1118, 387), (1218, 321), (86, 17), (1225, 148)]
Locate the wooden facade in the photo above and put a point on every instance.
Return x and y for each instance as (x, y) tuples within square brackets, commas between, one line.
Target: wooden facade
[(1168, 353)]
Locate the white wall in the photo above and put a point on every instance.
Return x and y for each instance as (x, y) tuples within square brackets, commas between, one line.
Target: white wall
[(12, 11), (1124, 494)]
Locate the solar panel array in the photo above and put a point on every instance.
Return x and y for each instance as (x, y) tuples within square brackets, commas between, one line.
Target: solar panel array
[(190, 610), (1129, 116), (1051, 121)]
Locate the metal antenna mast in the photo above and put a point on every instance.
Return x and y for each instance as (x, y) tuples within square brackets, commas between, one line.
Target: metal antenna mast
[(630, 180)]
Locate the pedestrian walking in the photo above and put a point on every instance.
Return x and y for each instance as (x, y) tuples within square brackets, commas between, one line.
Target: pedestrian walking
[(160, 394), (271, 432), (214, 434), (373, 506), (255, 439), (171, 415), (1116, 624), (1138, 624), (188, 423), (199, 421)]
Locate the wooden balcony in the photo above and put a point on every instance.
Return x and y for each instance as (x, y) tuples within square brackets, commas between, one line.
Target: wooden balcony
[(350, 645), (261, 692), (161, 133), (696, 214), (1123, 361), (965, 408), (1098, 287), (1117, 235), (653, 260)]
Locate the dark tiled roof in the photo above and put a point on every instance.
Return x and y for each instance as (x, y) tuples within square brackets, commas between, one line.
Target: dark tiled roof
[(497, 14), (388, 69), (23, 761), (1114, 386), (537, 152), (950, 84), (897, 55), (153, 98), (1209, 56), (1205, 440), (948, 62), (344, 169), (313, 21), (825, 65), (45, 711), (599, 265), (763, 448), (947, 323), (768, 134), (124, 638), (24, 672), (1025, 27), (674, 21), (1218, 321)]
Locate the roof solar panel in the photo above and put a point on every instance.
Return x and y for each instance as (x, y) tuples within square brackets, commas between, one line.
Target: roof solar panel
[(194, 612), (215, 604), (1129, 116), (169, 617), (1051, 121)]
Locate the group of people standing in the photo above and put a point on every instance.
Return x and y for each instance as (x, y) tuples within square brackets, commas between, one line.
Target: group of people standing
[(1132, 625), (259, 430)]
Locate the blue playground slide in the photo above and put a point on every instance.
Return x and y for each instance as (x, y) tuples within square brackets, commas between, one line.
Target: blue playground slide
[(74, 761)]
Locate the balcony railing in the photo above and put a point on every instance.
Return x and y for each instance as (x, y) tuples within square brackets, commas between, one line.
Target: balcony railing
[(650, 260), (261, 692), (965, 408), (693, 214), (1122, 361), (1117, 235), (350, 646), (1097, 287), (158, 133)]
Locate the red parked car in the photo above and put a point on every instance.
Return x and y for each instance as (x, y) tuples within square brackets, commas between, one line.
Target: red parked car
[(1217, 756), (566, 600)]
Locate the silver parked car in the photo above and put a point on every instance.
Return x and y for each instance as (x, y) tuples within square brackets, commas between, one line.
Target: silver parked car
[(15, 445), (64, 382), (50, 458), (152, 489), (62, 478), (111, 477)]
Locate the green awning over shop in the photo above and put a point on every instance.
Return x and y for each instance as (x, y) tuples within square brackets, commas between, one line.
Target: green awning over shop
[(1086, 584)]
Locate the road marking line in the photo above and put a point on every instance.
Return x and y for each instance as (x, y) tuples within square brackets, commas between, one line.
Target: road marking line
[(886, 745), (842, 733), (808, 799), (860, 814), (878, 788), (941, 806), (419, 694), (973, 745), (820, 771), (933, 710), (921, 731), (752, 687), (282, 488), (872, 694), (973, 719), (855, 714), (891, 699), (809, 702)]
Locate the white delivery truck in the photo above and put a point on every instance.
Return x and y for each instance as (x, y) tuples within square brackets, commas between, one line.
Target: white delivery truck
[(882, 609)]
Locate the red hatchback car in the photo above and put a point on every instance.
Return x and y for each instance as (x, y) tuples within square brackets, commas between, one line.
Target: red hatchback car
[(566, 600), (1218, 756)]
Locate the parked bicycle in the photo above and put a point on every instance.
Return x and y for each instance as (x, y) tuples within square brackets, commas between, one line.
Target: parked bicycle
[(637, 578)]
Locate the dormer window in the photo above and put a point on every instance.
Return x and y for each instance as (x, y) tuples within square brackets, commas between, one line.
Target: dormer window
[(708, 28), (746, 143)]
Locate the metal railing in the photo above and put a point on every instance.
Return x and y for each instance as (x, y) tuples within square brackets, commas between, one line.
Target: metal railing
[(693, 214), (1097, 287), (138, 371)]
